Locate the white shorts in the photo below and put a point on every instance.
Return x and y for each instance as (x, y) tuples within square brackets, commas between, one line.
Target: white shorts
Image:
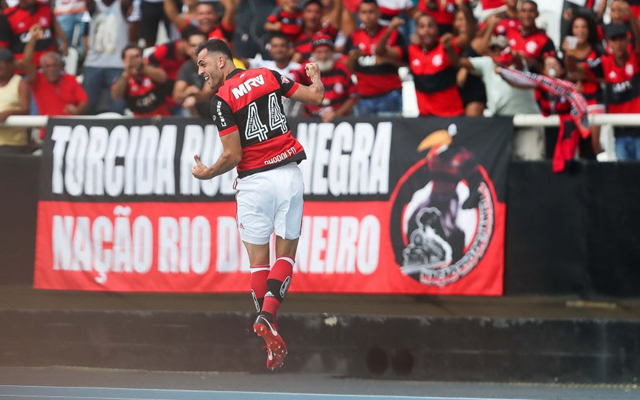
[(270, 201)]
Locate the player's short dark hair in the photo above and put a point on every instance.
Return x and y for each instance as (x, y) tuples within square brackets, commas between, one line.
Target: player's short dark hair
[(374, 2), (216, 46), (129, 47), (191, 30), (531, 2)]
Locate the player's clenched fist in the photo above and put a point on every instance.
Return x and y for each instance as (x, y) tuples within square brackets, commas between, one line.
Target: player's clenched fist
[(200, 170), (312, 70)]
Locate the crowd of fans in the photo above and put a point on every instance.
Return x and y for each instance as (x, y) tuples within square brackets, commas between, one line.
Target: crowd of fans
[(452, 49)]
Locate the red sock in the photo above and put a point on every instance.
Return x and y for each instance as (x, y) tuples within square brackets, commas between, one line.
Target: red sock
[(278, 284), (259, 275)]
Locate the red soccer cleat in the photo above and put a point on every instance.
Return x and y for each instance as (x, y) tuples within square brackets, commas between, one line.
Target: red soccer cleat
[(276, 349)]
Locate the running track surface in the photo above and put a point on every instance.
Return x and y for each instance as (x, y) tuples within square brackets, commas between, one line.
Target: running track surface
[(90, 384), (49, 392)]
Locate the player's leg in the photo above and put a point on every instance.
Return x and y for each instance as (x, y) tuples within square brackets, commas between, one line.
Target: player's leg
[(254, 215), (287, 225), (256, 207), (279, 277), (265, 325), (259, 262)]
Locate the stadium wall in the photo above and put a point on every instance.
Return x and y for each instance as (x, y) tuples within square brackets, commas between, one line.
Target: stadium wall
[(574, 233)]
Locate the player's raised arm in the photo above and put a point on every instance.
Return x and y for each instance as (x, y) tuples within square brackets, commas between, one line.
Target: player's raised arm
[(314, 93)]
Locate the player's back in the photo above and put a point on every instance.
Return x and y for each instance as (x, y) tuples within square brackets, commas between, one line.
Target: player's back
[(251, 101)]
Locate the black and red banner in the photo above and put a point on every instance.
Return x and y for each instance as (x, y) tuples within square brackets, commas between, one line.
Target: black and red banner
[(403, 206)]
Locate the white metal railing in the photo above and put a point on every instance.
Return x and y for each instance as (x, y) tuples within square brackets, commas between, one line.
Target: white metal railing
[(521, 120), (40, 121)]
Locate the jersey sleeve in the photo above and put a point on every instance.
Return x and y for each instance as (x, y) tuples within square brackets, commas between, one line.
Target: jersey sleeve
[(287, 86), (159, 54), (594, 68), (549, 49), (274, 16), (222, 115), (299, 75)]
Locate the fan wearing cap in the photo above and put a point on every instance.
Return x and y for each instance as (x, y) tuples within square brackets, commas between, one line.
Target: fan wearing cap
[(312, 25), (14, 100), (621, 73), (620, 13), (339, 91)]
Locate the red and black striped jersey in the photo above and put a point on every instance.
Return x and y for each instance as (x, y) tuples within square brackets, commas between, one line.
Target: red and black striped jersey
[(304, 42), (491, 4), (443, 11), (146, 98), (15, 23), (536, 45), (435, 81), (590, 87), (222, 31), (374, 78), (167, 57), (338, 88), (505, 25), (634, 6), (551, 104), (251, 102), (291, 22), (392, 8), (622, 93)]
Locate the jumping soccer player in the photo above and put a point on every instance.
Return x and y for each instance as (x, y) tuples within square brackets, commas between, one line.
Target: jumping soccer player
[(256, 138)]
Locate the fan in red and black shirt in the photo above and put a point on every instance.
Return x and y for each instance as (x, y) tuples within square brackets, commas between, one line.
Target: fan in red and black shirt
[(286, 19), (339, 91), (170, 57), (312, 25), (142, 86), (15, 23), (503, 22), (587, 47), (621, 73), (430, 63), (379, 84), (529, 41), (443, 12), (206, 19)]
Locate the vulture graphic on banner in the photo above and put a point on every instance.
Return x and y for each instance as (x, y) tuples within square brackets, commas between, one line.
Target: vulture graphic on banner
[(448, 222)]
